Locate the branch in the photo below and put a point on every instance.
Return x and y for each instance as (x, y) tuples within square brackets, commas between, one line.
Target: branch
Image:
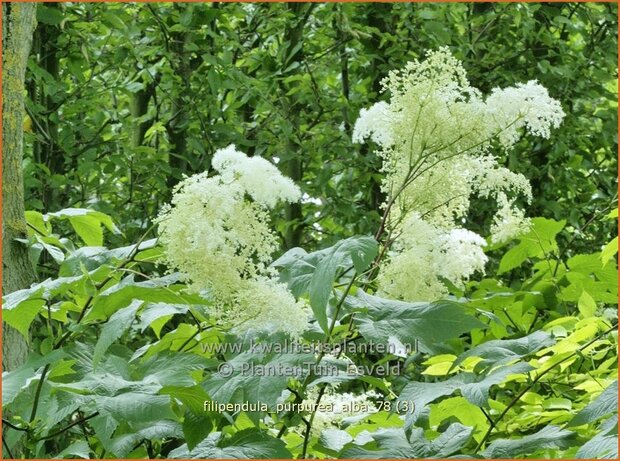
[(75, 423), (534, 381)]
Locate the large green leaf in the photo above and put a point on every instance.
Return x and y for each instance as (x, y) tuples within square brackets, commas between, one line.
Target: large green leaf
[(314, 273), (256, 377), (548, 437), (114, 328), (164, 290), (15, 381), (393, 444), (246, 444), (122, 445), (136, 407), (474, 387), (20, 308), (86, 223), (501, 351), (603, 445), (416, 325), (604, 404), (93, 257)]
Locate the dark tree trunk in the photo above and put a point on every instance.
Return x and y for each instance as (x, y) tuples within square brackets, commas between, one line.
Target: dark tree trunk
[(19, 21)]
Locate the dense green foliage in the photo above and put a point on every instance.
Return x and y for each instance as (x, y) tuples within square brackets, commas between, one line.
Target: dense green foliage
[(126, 99)]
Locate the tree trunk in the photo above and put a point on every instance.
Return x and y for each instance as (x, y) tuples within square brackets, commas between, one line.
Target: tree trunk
[(293, 166), (19, 21)]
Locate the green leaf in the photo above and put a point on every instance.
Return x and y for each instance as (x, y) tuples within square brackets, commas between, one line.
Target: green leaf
[(122, 445), (467, 413), (88, 228), (114, 328), (155, 315), (502, 351), (422, 325), (15, 381), (474, 387), (609, 251), (48, 15), (21, 318), (79, 449), (36, 220), (586, 305), (245, 444), (603, 445), (136, 407), (314, 273), (55, 252), (254, 377), (393, 444), (537, 243), (86, 223), (334, 439), (548, 437), (604, 404), (192, 397), (384, 444), (164, 290), (196, 428)]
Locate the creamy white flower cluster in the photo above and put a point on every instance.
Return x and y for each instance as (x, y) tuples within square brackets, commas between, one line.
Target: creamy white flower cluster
[(216, 233), (338, 406), (426, 255), (435, 136)]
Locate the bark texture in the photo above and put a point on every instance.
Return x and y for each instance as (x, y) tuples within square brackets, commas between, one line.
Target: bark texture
[(19, 21)]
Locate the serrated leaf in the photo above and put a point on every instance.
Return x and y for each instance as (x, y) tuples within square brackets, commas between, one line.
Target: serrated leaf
[(393, 444), (196, 428)]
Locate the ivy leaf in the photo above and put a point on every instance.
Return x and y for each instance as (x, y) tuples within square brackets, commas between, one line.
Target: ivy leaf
[(245, 444), (548, 437), (423, 325)]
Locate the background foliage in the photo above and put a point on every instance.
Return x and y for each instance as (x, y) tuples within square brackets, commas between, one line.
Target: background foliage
[(124, 99)]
